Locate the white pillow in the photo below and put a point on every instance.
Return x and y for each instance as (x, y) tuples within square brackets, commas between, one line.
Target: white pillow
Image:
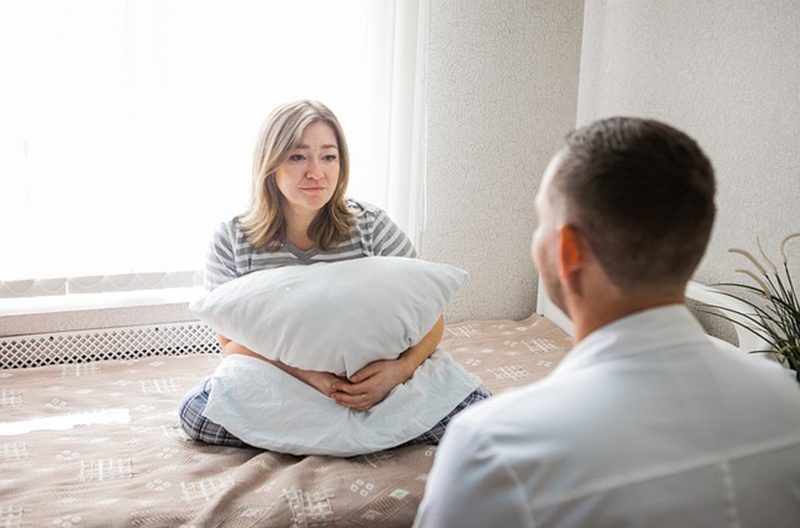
[(334, 317), (265, 407)]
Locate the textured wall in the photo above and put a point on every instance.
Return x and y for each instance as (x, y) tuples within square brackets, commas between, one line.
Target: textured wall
[(502, 92), (728, 73)]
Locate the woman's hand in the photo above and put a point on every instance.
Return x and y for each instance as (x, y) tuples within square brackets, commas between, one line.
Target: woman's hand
[(322, 381), (370, 385)]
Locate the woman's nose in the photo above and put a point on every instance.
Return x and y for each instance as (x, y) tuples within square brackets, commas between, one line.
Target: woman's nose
[(314, 170)]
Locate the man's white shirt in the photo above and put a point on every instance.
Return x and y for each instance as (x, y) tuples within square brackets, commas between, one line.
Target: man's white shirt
[(644, 423)]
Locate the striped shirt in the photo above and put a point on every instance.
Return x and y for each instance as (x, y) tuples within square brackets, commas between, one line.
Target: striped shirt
[(372, 233)]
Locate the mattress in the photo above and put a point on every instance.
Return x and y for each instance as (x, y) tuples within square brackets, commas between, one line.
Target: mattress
[(99, 444)]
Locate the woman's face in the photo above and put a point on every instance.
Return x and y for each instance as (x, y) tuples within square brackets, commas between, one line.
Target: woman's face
[(308, 177)]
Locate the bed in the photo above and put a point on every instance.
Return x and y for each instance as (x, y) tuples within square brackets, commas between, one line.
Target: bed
[(99, 444)]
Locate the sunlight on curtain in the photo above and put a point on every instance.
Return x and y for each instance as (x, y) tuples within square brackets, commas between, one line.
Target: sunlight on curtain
[(127, 127)]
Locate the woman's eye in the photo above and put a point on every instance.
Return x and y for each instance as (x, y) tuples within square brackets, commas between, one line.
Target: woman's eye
[(296, 157), (329, 157)]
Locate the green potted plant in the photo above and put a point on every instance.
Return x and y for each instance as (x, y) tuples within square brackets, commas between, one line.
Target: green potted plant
[(771, 307)]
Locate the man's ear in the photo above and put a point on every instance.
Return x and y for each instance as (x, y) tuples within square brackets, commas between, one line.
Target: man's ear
[(571, 255)]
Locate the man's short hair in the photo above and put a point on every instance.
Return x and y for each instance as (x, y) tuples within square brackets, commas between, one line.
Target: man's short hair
[(642, 192)]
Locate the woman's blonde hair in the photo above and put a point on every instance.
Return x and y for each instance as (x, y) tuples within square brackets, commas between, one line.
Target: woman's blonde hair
[(264, 223)]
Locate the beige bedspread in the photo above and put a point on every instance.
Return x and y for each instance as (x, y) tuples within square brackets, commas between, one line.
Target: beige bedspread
[(130, 463)]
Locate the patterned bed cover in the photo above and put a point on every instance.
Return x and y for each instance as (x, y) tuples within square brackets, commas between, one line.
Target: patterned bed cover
[(128, 463)]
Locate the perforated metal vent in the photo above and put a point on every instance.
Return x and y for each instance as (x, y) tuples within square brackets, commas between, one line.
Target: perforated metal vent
[(110, 343)]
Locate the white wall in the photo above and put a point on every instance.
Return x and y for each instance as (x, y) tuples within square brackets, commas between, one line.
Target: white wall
[(502, 92), (728, 73), (501, 84)]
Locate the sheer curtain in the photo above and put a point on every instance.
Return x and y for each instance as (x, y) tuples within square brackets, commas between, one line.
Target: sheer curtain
[(126, 127)]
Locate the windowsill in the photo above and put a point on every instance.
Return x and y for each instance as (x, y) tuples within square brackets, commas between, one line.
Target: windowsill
[(97, 301), (59, 313)]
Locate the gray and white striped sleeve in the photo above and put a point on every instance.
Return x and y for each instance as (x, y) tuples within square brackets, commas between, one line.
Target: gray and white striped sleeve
[(388, 240), (221, 260)]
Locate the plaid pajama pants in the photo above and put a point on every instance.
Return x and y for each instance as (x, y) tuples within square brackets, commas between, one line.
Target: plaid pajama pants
[(198, 427)]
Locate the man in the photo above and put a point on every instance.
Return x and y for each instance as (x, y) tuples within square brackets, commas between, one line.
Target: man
[(645, 422)]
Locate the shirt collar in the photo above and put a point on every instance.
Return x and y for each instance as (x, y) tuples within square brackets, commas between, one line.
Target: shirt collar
[(644, 331)]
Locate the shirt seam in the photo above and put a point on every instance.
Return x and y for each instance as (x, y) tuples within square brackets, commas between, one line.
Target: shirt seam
[(527, 504), (678, 468), (730, 495)]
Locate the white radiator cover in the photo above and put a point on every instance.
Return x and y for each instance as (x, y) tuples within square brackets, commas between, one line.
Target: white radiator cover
[(129, 342)]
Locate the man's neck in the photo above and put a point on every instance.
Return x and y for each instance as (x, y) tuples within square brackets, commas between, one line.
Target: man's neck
[(590, 316)]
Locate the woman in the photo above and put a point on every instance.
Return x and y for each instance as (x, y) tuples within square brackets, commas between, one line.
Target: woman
[(298, 215)]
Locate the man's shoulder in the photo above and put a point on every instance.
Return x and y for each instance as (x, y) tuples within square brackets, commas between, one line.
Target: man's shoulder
[(519, 410)]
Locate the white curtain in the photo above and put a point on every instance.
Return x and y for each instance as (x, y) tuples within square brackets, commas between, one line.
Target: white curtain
[(126, 127)]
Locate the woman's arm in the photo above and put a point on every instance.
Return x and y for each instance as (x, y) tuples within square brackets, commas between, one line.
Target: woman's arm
[(370, 385), (322, 381)]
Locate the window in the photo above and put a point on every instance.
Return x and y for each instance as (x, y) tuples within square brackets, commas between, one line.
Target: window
[(127, 127)]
